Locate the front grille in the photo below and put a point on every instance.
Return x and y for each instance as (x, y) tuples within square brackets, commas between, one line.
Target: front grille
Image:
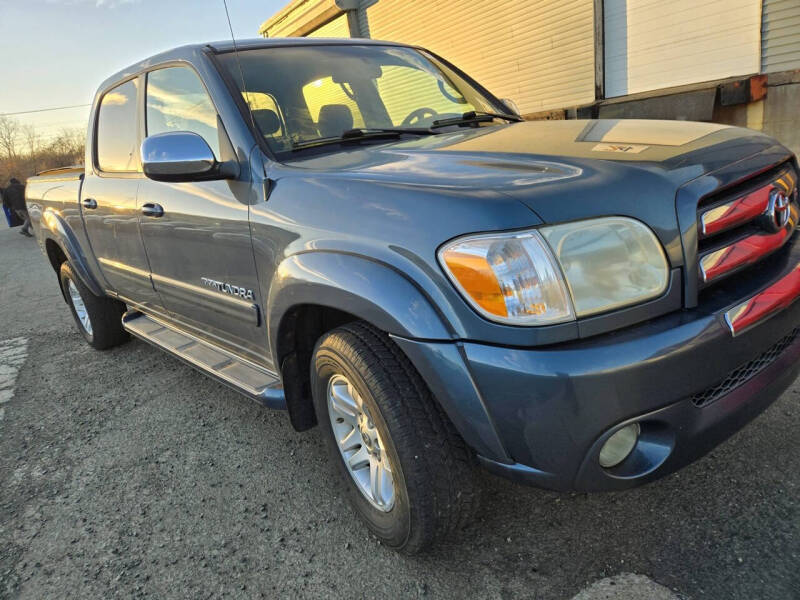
[(745, 372), (740, 227)]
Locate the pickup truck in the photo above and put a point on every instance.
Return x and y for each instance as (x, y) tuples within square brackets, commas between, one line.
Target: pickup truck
[(360, 233)]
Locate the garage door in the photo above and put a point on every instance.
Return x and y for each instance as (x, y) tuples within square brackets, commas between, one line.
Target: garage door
[(540, 54), (653, 45), (780, 35)]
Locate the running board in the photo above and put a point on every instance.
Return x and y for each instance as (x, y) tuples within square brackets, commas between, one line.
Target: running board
[(243, 376)]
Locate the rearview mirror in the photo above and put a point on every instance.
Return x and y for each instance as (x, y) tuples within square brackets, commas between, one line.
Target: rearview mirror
[(179, 156), (512, 106)]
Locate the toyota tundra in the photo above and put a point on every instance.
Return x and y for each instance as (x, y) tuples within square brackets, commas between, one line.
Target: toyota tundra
[(361, 234)]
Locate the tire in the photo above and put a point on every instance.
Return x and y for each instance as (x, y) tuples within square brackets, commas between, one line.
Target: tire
[(99, 319), (432, 492)]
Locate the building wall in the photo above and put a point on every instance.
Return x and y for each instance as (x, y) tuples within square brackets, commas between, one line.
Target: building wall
[(539, 54), (781, 108), (300, 18), (336, 28)]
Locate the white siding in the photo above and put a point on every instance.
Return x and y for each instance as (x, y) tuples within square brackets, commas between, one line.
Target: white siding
[(336, 28), (780, 35), (538, 53), (653, 44)]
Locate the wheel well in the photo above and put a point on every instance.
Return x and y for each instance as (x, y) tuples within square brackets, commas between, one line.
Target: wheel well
[(55, 254), (298, 333), (56, 257)]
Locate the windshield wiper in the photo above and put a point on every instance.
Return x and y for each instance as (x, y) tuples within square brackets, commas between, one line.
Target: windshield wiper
[(475, 116), (361, 133)]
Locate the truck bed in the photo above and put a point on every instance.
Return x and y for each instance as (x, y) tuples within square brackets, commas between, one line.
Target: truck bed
[(57, 186)]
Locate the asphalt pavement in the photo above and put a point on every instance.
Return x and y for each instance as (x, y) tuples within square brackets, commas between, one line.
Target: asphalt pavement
[(128, 474)]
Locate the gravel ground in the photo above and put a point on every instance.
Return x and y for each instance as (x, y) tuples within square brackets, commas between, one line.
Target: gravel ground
[(127, 474)]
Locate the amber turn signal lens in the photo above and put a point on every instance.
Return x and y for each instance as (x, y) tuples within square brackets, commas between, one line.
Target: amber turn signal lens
[(511, 278), (478, 280)]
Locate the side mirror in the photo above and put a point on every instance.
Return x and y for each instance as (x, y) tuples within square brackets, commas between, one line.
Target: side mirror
[(180, 156), (512, 106)]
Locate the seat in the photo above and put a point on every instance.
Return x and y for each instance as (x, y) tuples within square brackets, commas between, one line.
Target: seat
[(334, 119)]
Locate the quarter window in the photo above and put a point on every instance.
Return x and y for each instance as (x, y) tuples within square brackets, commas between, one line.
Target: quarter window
[(178, 101), (117, 131)]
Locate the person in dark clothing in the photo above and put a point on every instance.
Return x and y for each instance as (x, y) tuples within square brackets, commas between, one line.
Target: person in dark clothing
[(14, 196)]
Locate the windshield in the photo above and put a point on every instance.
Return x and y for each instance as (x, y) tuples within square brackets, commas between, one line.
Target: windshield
[(299, 94)]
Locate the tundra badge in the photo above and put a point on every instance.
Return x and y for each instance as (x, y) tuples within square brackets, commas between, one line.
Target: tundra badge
[(227, 288)]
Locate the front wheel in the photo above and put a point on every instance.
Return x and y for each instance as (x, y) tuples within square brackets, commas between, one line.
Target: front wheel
[(403, 466), (99, 319)]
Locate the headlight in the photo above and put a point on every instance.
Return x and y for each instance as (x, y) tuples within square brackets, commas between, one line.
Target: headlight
[(582, 268), (511, 278), (609, 263)]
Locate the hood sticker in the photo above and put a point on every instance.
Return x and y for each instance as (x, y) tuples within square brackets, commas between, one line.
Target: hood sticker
[(627, 148)]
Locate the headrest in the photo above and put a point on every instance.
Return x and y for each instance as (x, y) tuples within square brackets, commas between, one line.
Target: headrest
[(334, 119), (267, 120)]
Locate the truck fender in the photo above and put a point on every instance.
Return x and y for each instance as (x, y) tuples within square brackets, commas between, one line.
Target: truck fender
[(57, 229), (370, 290), (381, 295)]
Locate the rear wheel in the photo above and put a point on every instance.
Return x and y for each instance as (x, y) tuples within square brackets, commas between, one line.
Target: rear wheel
[(99, 319), (403, 466)]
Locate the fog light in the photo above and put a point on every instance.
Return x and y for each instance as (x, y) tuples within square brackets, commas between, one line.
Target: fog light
[(619, 446)]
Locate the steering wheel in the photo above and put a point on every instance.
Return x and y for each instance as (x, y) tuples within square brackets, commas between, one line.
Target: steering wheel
[(417, 116)]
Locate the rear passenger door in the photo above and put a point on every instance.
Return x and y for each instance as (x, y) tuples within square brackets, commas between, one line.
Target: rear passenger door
[(109, 196), (199, 246)]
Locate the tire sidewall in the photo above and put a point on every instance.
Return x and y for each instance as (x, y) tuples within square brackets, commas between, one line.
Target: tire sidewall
[(66, 275), (393, 526)]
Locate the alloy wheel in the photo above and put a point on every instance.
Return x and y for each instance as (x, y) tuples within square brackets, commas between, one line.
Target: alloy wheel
[(360, 444), (80, 307)]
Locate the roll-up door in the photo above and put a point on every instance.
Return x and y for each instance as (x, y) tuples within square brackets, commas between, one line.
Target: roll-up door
[(780, 36), (539, 54), (650, 44)]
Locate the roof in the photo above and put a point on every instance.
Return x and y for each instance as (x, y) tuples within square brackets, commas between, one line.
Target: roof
[(249, 44), (192, 51)]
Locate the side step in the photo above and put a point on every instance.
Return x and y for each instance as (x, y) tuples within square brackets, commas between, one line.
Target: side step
[(251, 380)]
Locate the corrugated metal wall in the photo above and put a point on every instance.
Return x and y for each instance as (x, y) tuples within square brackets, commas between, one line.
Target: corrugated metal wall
[(297, 16), (540, 54), (780, 35), (336, 28), (651, 44)]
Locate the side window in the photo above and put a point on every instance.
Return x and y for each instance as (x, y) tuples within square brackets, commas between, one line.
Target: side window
[(177, 101), (117, 131)]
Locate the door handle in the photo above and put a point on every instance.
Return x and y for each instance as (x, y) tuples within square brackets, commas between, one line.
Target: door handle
[(89, 203), (152, 210)]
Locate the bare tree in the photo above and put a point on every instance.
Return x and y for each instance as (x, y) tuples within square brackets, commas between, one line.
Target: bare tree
[(26, 152), (69, 143), (31, 137), (9, 132)]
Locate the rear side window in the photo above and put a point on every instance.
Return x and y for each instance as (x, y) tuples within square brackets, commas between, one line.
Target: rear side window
[(178, 101), (117, 131)]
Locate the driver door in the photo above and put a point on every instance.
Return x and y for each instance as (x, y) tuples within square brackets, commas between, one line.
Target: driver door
[(197, 234)]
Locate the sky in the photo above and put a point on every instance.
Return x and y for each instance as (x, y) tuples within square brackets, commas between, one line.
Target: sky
[(57, 52)]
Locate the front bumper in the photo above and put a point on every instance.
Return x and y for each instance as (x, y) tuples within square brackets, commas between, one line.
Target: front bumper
[(541, 415)]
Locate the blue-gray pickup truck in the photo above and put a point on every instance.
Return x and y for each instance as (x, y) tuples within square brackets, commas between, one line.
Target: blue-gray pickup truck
[(360, 233)]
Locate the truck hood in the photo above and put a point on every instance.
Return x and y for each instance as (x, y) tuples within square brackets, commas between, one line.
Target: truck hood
[(678, 149), (561, 170)]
